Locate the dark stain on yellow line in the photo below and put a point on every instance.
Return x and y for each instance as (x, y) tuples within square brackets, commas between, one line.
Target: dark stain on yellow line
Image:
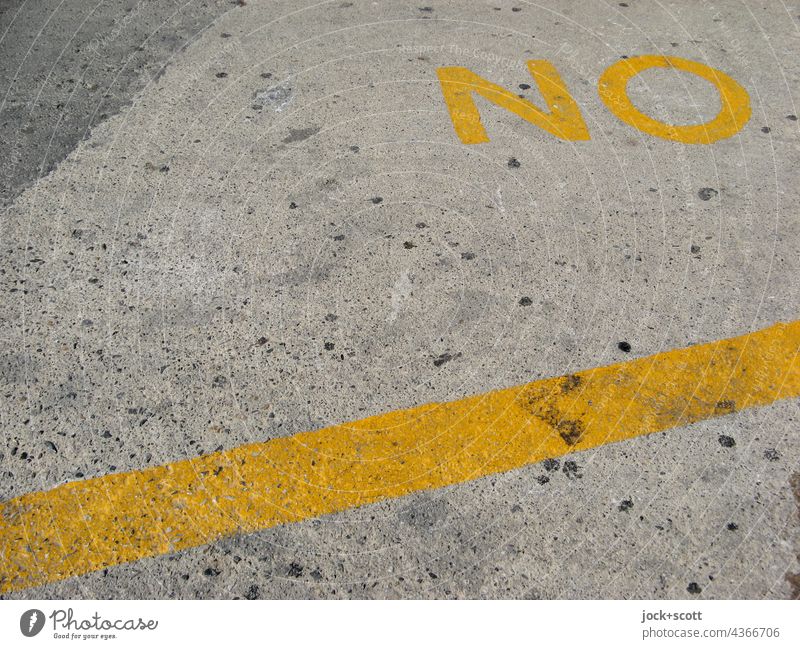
[(88, 525)]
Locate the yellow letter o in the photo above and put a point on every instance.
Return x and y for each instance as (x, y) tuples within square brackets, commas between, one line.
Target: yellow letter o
[(734, 100)]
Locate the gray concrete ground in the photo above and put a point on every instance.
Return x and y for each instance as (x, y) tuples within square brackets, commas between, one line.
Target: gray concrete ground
[(68, 66), (282, 231)]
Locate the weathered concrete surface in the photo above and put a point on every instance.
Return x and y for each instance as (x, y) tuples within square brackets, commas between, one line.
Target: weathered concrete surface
[(67, 66), (214, 266)]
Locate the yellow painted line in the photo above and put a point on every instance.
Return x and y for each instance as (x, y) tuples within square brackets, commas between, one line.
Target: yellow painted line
[(88, 525)]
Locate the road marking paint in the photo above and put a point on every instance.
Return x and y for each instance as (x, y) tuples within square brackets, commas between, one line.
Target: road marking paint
[(88, 525), (734, 110), (564, 119)]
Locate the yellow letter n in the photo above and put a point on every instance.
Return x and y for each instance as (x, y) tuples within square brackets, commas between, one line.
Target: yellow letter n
[(564, 119)]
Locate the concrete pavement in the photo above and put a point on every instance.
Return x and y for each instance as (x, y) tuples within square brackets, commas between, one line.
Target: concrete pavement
[(283, 232)]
